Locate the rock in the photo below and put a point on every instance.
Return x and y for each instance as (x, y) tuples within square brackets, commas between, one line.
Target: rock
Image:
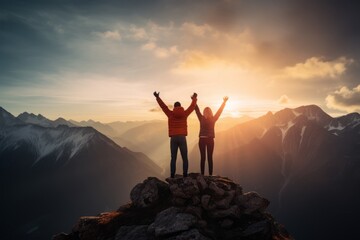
[(261, 227), (217, 192), (196, 211), (149, 192), (195, 200), (201, 182), (184, 188), (207, 203), (192, 234), (132, 233), (195, 207), (225, 202), (190, 187), (171, 221), (226, 223), (62, 236), (176, 191), (178, 201), (223, 182), (177, 179), (238, 191), (87, 228), (201, 224), (205, 199), (252, 202), (233, 211)]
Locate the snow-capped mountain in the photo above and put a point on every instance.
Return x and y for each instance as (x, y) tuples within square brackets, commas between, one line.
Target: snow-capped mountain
[(7, 119), (101, 127), (43, 121), (299, 158), (52, 175)]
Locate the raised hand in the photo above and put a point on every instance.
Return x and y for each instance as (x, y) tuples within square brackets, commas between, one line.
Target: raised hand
[(156, 94), (194, 96), (226, 98)]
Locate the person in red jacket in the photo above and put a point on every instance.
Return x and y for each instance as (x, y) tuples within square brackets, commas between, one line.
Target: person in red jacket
[(207, 134), (177, 123)]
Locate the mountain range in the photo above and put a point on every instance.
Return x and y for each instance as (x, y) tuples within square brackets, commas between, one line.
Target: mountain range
[(52, 174), (305, 161)]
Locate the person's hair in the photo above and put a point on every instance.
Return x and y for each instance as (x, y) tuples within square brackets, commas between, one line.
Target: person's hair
[(177, 104), (208, 113)]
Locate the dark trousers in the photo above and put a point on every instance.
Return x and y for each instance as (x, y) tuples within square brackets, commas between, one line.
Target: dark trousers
[(178, 142), (206, 145)]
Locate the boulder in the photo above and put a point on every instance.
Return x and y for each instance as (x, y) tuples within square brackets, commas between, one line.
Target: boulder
[(171, 221), (196, 211), (137, 232), (87, 228), (226, 223), (201, 182), (262, 228), (232, 212), (195, 200), (196, 207), (205, 200), (217, 191), (252, 202), (192, 234), (177, 201), (224, 203), (62, 236), (149, 192), (184, 187), (178, 192)]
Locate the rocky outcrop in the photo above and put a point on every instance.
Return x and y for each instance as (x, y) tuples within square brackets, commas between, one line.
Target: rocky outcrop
[(195, 207)]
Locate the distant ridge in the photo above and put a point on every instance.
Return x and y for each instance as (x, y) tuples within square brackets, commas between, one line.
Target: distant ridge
[(298, 155), (62, 173)]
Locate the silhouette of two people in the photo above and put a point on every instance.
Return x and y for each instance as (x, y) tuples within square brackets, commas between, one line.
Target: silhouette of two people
[(177, 127)]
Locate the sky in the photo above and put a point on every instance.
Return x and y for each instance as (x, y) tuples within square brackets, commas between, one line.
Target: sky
[(102, 60)]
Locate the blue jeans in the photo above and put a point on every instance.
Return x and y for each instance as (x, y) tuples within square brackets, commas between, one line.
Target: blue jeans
[(178, 142)]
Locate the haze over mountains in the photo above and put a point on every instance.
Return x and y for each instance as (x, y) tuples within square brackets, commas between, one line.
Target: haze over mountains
[(51, 175), (306, 162)]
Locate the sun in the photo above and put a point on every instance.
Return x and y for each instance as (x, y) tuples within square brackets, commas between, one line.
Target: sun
[(232, 108)]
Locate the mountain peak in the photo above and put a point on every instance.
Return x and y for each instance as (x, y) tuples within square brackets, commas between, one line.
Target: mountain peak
[(194, 207), (35, 119), (349, 119), (311, 109), (7, 119)]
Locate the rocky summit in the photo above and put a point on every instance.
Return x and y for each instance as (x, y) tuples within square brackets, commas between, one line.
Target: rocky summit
[(196, 207)]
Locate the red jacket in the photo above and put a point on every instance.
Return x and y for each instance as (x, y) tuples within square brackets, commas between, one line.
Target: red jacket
[(177, 118)]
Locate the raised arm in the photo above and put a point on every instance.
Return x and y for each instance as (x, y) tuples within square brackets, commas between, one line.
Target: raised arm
[(163, 106), (218, 113), (198, 113), (192, 105)]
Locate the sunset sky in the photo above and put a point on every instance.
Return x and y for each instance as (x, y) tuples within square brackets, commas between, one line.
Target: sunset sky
[(103, 59)]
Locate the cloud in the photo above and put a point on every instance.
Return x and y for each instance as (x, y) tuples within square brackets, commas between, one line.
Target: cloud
[(158, 109), (138, 33), (197, 30), (344, 99), (317, 68), (160, 52), (283, 100), (111, 35), (201, 63)]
